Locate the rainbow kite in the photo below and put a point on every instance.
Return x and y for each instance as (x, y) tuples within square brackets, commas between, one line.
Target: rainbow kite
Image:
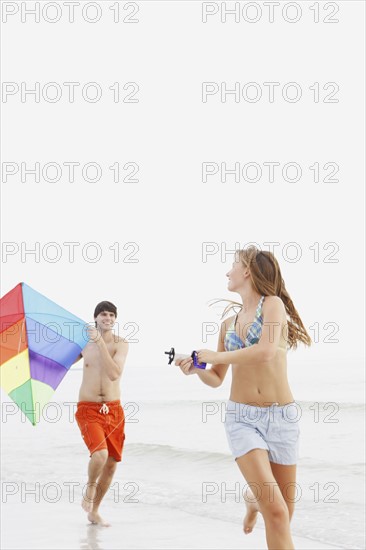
[(39, 341)]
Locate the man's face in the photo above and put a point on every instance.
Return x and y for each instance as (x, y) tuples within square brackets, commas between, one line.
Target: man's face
[(105, 320)]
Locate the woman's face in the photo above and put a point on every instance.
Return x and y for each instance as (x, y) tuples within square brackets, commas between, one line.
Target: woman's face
[(236, 275)]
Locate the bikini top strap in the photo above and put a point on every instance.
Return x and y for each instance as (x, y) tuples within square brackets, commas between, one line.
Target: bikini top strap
[(259, 308), (236, 318)]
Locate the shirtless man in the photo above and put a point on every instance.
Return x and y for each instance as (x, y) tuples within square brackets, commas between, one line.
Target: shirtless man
[(99, 414)]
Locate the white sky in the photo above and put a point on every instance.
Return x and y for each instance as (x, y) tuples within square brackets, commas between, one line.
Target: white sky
[(169, 133)]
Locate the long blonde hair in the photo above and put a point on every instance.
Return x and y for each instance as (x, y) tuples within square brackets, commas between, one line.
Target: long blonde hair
[(267, 280)]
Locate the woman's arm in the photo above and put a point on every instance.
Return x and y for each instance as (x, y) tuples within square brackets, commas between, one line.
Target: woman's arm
[(215, 375)]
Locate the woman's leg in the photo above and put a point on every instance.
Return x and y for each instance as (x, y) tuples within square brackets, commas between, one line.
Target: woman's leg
[(256, 469), (286, 479)]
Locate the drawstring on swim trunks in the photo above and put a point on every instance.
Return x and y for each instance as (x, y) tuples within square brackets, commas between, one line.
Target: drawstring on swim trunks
[(104, 409)]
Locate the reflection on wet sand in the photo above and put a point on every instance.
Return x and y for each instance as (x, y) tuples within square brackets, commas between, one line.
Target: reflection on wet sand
[(92, 539)]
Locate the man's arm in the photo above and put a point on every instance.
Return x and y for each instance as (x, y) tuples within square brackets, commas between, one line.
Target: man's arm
[(113, 367), (77, 359)]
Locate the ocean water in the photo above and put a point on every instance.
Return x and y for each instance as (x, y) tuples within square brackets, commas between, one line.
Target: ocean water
[(330, 475), (177, 455)]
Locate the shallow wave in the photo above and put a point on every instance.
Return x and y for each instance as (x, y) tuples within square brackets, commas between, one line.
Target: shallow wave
[(195, 402), (303, 404), (212, 458), (317, 522)]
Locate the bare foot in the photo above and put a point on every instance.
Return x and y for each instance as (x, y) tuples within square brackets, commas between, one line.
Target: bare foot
[(250, 517), (94, 517), (87, 502)]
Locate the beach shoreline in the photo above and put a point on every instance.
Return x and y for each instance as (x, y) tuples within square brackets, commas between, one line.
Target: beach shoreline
[(64, 526), (187, 486)]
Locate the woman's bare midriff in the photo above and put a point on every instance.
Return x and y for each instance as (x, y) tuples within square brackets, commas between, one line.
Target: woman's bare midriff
[(263, 385)]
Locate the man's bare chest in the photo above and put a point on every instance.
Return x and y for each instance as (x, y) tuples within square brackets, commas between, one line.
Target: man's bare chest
[(91, 354)]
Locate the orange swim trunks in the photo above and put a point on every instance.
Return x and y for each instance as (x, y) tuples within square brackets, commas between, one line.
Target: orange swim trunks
[(102, 426)]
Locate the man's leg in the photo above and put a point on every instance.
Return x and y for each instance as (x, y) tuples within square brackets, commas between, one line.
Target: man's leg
[(104, 482), (114, 437), (95, 468)]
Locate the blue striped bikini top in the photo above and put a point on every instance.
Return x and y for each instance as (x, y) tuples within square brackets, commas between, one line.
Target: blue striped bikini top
[(233, 342)]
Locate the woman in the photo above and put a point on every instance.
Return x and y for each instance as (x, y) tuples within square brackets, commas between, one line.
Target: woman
[(261, 415)]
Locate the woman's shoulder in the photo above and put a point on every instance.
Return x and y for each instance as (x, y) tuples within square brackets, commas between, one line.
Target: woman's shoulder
[(273, 300), (274, 303)]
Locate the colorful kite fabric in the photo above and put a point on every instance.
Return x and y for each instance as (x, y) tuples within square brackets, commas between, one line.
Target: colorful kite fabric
[(39, 341)]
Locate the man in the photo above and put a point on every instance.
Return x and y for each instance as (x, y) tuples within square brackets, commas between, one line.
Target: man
[(99, 413)]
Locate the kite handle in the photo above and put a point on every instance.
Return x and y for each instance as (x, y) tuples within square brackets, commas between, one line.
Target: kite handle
[(194, 356), (196, 362)]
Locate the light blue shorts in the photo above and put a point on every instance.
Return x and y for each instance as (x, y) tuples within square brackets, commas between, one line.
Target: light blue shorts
[(274, 428)]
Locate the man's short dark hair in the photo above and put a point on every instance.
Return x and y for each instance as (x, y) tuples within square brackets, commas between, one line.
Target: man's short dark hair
[(105, 306)]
